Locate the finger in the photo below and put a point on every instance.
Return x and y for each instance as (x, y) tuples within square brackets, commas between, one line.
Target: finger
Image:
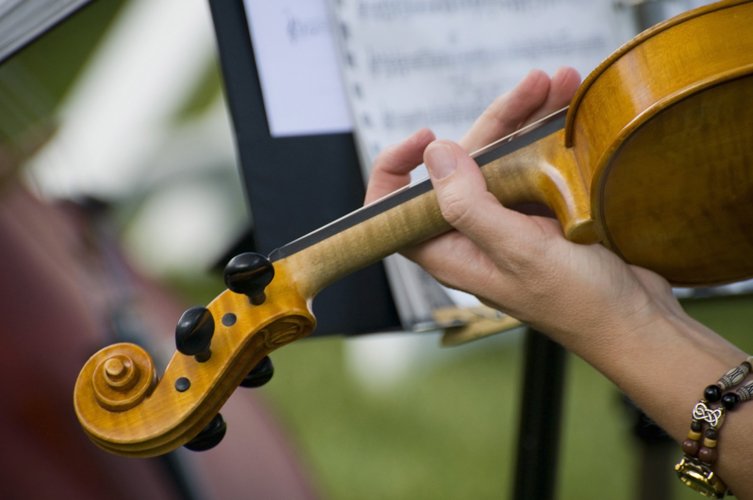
[(509, 111), (463, 197), (563, 85), (391, 169), (493, 250), (511, 239), (457, 250), (535, 97)]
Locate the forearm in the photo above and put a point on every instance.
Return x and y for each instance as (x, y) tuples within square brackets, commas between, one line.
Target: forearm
[(664, 366)]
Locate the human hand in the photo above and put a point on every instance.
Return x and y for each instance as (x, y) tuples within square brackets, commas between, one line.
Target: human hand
[(622, 319), (514, 262)]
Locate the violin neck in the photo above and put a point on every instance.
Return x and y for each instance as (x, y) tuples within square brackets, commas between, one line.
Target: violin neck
[(531, 165)]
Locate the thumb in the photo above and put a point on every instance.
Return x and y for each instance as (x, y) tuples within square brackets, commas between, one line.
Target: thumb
[(461, 190)]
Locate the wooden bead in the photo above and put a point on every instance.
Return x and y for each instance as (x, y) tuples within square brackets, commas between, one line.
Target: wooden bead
[(708, 455), (730, 400), (709, 443), (690, 447), (712, 393), (710, 438), (695, 436)]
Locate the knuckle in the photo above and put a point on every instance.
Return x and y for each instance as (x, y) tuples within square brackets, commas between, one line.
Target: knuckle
[(499, 116), (386, 158), (456, 209)]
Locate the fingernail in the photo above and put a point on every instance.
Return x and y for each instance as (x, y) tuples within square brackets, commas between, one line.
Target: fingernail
[(440, 161)]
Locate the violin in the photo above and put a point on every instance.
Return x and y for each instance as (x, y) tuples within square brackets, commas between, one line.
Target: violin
[(652, 159)]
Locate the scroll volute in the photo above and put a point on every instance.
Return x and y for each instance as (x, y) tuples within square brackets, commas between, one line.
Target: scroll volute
[(127, 409)]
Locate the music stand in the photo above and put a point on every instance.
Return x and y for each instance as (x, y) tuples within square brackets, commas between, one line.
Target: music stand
[(296, 184)]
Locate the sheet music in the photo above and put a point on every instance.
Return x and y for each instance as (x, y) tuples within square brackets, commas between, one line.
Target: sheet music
[(408, 64), (414, 63)]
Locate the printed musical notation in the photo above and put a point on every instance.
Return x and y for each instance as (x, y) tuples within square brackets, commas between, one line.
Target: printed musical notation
[(439, 63), (387, 10), (402, 63)]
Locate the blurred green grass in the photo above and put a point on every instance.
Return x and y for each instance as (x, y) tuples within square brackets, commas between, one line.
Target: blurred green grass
[(448, 430)]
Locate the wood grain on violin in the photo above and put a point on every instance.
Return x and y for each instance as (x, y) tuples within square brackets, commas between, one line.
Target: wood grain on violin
[(654, 161), (124, 409)]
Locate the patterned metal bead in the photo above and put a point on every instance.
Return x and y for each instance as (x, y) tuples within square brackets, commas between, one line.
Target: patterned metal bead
[(745, 392), (699, 476), (713, 416), (734, 376)]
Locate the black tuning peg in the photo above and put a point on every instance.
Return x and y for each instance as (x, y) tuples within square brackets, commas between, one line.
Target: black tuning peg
[(249, 273), (210, 436), (193, 334), (260, 374)]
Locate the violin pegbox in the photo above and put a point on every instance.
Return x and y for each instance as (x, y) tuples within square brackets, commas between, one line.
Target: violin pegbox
[(123, 407)]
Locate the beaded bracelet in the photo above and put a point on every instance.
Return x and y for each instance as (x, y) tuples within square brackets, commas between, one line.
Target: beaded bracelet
[(694, 469)]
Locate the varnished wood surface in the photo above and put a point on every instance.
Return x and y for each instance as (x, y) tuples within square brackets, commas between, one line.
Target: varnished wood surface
[(656, 163), (543, 172), (683, 205), (663, 129), (167, 418), (663, 110)]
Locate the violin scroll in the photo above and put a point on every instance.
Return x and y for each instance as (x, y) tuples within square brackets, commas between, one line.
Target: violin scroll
[(122, 375), (126, 410)]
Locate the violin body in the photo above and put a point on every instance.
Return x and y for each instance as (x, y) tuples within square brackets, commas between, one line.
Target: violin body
[(664, 130), (655, 162)]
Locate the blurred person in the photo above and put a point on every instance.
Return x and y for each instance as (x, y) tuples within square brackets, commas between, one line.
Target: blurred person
[(66, 290)]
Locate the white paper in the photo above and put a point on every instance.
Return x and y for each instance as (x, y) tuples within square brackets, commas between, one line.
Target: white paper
[(298, 68), (415, 63)]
